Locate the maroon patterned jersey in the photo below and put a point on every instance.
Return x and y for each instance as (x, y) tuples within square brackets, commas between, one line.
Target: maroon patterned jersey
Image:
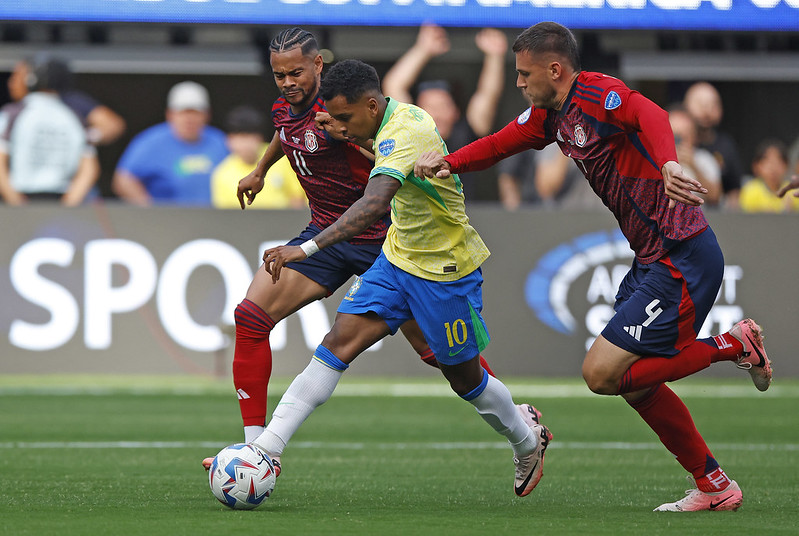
[(333, 173), (619, 140)]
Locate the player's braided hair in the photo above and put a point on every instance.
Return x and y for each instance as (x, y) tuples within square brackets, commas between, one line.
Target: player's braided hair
[(351, 79), (294, 37), (549, 37)]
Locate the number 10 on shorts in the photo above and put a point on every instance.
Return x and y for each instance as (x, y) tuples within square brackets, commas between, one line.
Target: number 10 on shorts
[(456, 333)]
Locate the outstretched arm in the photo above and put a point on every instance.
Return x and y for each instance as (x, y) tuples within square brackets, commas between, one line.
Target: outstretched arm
[(363, 213), (489, 150), (432, 41), (482, 108)]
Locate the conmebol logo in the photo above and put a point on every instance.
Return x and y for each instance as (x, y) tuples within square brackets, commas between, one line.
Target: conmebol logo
[(547, 286)]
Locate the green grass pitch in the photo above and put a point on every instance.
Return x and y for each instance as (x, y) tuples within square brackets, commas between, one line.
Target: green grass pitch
[(122, 456)]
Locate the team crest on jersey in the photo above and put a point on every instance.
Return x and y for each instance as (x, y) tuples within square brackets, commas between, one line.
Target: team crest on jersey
[(311, 143), (524, 116), (612, 101), (580, 136), (354, 288), (386, 147)]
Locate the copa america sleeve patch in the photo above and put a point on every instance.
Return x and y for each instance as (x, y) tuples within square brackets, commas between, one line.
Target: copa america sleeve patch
[(612, 101), (525, 115), (386, 146)]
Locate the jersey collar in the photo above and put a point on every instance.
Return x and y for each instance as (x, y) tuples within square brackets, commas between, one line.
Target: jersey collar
[(391, 106), (568, 100), (316, 99)]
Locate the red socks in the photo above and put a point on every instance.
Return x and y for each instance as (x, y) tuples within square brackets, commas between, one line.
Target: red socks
[(666, 414), (484, 364), (713, 481), (651, 371), (430, 358), (729, 348), (252, 361)]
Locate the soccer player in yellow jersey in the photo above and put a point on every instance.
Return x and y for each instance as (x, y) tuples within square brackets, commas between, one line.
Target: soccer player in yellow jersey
[(429, 269)]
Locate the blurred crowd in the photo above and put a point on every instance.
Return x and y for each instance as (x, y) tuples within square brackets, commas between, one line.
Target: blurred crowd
[(50, 134)]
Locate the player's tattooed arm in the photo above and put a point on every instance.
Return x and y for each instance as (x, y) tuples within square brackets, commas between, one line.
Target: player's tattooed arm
[(368, 209), (373, 205)]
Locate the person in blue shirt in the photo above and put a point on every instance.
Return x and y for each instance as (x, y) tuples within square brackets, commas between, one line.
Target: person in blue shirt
[(172, 162)]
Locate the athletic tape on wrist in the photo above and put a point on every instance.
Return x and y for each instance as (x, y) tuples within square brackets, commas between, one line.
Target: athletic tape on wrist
[(309, 247)]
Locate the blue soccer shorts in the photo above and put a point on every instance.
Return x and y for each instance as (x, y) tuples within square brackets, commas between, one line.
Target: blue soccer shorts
[(661, 306), (334, 265), (448, 312)]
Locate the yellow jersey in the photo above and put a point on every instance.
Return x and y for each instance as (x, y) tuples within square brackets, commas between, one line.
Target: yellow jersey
[(756, 197), (281, 187), (430, 235)]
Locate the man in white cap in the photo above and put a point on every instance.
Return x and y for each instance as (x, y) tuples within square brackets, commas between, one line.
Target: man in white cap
[(171, 163)]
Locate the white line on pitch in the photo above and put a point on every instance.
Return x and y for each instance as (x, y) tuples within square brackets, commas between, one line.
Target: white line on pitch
[(477, 445), (400, 389)]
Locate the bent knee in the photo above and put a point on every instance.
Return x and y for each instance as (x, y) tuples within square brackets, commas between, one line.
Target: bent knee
[(599, 382)]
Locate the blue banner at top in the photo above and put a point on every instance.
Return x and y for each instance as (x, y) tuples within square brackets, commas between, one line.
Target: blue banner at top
[(740, 15)]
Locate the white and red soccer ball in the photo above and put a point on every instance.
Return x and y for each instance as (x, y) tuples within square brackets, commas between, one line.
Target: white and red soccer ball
[(242, 476)]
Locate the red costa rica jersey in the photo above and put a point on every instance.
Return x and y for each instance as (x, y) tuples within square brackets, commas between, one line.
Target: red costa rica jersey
[(333, 173), (620, 141)]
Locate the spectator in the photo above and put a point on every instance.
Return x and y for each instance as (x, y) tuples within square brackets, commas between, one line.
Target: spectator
[(435, 97), (703, 103), (172, 162), (103, 125), (245, 139), (516, 181), (44, 151), (544, 178), (770, 168), (696, 162)]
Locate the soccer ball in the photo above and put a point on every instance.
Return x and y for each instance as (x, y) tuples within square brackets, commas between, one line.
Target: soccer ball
[(242, 476)]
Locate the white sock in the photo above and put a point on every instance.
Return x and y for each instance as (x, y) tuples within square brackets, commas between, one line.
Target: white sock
[(310, 389), (495, 405), (251, 432)]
